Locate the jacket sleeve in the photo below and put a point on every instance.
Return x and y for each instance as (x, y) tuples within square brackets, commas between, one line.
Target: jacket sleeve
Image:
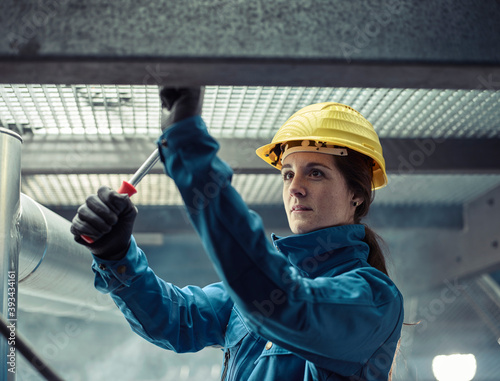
[(183, 320), (320, 319)]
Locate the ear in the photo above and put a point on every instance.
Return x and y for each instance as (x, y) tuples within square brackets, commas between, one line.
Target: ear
[(356, 201)]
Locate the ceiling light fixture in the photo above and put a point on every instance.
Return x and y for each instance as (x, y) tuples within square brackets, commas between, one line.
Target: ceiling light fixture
[(455, 367)]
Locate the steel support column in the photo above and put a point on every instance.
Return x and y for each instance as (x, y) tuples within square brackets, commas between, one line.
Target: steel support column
[(10, 183)]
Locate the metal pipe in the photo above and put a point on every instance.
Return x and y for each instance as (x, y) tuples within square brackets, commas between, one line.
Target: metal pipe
[(10, 184)]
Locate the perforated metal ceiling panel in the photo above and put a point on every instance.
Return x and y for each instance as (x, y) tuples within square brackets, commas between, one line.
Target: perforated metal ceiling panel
[(247, 112)]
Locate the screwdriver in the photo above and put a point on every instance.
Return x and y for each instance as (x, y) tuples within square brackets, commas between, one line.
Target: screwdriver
[(128, 187)]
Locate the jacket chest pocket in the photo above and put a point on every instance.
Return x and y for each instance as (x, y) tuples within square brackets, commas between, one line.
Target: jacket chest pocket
[(278, 363), (236, 330)]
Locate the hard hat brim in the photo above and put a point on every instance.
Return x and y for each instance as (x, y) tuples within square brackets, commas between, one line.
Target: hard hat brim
[(379, 176)]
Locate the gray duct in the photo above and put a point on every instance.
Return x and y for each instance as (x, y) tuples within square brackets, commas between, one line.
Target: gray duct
[(38, 253), (52, 265)]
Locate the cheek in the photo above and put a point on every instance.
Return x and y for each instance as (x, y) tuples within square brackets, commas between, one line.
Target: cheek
[(337, 203), (285, 197)]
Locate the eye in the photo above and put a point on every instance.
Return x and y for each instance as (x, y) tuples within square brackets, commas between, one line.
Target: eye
[(316, 173), (287, 175)]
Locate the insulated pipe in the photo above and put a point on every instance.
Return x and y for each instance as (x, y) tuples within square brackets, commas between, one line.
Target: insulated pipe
[(10, 184), (52, 265)]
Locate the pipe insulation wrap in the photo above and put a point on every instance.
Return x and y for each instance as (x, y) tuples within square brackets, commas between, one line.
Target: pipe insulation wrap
[(35, 231), (51, 264)]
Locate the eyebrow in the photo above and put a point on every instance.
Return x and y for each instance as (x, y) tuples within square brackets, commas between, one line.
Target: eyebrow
[(308, 165)]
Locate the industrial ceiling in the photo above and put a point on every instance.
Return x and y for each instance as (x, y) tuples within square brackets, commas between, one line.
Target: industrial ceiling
[(79, 82)]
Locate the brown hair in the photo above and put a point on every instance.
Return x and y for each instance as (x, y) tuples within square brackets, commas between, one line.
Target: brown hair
[(357, 170)]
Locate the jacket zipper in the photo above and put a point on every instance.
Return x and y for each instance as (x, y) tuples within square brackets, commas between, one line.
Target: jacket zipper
[(226, 365)]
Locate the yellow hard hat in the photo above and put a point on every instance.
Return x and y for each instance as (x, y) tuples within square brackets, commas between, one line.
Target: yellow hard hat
[(332, 124)]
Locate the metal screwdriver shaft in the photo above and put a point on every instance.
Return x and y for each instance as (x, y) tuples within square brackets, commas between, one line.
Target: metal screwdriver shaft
[(128, 187), (145, 168)]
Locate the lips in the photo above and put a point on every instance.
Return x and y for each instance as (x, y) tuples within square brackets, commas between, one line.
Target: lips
[(300, 208)]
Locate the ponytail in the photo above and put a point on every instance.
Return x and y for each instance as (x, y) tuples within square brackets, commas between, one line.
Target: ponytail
[(376, 258)]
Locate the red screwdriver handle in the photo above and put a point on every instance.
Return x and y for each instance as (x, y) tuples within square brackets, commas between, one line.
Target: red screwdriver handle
[(125, 188)]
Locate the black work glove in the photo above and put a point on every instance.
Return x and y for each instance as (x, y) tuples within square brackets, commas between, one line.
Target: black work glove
[(180, 103), (107, 218)]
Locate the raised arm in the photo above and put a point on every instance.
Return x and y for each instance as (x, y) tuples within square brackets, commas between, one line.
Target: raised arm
[(320, 319)]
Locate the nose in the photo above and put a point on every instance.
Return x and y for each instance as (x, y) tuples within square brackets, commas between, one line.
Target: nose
[(297, 187)]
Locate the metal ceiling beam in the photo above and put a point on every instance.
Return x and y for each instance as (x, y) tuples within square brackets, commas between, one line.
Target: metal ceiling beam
[(250, 72), (448, 44), (482, 234), (440, 257), (60, 155), (441, 155)]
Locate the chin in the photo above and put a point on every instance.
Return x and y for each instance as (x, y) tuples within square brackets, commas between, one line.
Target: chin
[(302, 229), (308, 229)]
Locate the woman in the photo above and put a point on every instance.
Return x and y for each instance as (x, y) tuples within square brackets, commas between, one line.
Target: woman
[(317, 305)]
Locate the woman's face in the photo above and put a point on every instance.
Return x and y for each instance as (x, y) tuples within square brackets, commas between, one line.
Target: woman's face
[(315, 194)]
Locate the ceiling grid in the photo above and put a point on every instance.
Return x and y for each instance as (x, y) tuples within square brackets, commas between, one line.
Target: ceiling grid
[(245, 112)]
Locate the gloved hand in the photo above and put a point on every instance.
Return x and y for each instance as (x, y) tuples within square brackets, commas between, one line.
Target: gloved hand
[(107, 218), (180, 103)]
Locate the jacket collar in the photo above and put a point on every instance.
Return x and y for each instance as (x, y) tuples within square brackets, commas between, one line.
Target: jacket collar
[(316, 252)]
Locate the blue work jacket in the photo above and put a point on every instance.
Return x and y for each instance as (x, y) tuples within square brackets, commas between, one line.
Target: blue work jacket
[(304, 307)]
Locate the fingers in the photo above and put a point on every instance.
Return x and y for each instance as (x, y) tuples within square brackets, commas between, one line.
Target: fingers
[(94, 218), (120, 204), (171, 95), (80, 227), (168, 96)]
